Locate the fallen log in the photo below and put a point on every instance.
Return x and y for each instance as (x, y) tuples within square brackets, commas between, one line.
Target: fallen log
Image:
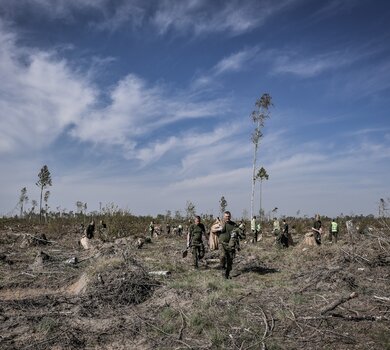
[(160, 273), (338, 302)]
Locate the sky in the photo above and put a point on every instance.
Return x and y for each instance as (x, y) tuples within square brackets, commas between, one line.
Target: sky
[(146, 105)]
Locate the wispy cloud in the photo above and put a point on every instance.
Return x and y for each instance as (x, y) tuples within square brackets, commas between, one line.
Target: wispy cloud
[(372, 80), (334, 7), (195, 17), (232, 63), (200, 16), (307, 67), (236, 61)]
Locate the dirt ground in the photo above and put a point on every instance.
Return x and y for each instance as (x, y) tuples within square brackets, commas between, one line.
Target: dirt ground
[(60, 296)]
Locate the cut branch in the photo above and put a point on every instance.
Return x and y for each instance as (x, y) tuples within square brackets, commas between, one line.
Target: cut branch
[(338, 302)]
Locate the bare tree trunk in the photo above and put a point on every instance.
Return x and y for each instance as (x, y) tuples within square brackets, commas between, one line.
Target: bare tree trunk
[(253, 178), (40, 207)]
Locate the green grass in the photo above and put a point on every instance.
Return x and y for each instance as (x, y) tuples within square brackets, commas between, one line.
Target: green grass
[(47, 325)]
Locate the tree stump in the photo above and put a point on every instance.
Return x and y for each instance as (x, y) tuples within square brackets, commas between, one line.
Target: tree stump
[(139, 243)]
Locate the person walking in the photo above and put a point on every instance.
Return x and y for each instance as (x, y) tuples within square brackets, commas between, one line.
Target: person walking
[(195, 241), (228, 237)]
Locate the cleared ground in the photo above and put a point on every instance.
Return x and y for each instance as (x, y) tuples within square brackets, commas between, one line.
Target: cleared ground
[(326, 297)]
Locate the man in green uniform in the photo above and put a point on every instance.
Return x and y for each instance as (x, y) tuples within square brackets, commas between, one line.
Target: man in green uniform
[(194, 240), (228, 238), (333, 231)]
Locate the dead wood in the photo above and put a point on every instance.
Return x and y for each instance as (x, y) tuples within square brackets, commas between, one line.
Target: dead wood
[(338, 302)]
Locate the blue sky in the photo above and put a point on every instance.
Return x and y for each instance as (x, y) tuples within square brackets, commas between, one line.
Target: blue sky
[(146, 104)]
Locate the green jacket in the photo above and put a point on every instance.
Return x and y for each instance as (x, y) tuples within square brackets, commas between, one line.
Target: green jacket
[(196, 233), (227, 229)]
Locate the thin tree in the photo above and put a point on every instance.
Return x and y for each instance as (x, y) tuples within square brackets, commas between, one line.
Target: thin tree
[(222, 205), (79, 206), (261, 175), (23, 199), (44, 180), (259, 115), (190, 209), (34, 204)]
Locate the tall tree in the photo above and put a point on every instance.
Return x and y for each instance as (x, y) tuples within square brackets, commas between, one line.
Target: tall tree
[(222, 205), (261, 175), (44, 180), (23, 199), (259, 115)]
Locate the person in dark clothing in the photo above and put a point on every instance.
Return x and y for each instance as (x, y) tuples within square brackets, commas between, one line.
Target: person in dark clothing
[(90, 231), (195, 240), (284, 235), (168, 228), (317, 229)]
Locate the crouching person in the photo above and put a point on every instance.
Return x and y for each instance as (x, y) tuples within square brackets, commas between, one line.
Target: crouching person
[(195, 241)]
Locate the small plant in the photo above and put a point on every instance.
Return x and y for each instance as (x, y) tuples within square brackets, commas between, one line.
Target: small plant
[(47, 325)]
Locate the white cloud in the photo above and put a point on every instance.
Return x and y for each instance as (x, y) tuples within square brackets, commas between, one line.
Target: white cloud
[(193, 147), (137, 109), (39, 96), (200, 16)]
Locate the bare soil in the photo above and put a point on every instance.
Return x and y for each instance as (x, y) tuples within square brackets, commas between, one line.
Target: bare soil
[(60, 296)]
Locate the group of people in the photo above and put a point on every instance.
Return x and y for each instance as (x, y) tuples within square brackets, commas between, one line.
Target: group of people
[(176, 230), (89, 231), (318, 231), (229, 236)]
